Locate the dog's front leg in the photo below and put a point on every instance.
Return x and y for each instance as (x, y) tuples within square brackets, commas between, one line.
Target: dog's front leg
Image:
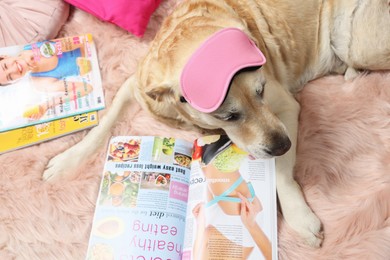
[(296, 212)]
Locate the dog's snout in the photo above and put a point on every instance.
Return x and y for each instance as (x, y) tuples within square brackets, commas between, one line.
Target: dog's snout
[(281, 144)]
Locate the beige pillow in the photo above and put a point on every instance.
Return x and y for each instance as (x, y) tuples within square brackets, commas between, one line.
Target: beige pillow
[(27, 21)]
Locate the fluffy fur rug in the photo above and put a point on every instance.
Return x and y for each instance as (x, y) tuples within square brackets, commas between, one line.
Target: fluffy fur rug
[(343, 164)]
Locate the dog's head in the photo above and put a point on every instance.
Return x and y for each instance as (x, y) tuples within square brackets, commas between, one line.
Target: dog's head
[(246, 117), (244, 113)]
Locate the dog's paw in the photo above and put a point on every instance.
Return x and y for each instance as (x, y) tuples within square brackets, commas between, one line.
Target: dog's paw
[(54, 168), (309, 227), (312, 231), (61, 164), (350, 74)]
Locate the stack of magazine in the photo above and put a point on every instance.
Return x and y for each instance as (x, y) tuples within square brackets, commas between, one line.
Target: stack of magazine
[(48, 89)]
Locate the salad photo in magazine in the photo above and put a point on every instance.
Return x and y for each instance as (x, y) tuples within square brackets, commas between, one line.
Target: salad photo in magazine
[(49, 80), (167, 198)]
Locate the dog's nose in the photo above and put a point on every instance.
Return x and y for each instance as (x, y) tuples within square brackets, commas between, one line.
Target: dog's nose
[(281, 144)]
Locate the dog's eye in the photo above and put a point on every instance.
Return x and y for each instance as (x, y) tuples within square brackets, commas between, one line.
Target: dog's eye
[(230, 117), (260, 91)]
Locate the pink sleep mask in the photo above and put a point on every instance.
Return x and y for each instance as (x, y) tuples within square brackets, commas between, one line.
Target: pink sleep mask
[(206, 77)]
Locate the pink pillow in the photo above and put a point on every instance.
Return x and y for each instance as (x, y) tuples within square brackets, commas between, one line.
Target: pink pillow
[(131, 15), (25, 22)]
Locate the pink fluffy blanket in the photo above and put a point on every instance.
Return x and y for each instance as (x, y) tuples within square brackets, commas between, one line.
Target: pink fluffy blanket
[(343, 163)]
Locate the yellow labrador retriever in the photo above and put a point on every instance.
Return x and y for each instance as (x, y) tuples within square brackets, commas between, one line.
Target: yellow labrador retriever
[(301, 40)]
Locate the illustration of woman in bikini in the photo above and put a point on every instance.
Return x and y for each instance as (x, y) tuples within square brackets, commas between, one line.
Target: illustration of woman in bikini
[(226, 223), (48, 69)]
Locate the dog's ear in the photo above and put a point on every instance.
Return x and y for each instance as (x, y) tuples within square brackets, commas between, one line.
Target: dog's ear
[(160, 94)]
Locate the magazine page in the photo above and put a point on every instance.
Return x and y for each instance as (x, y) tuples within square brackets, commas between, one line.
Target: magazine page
[(231, 211), (49, 80), (141, 208)]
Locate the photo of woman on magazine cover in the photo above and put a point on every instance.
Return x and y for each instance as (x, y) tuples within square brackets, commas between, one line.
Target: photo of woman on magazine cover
[(226, 225), (45, 69)]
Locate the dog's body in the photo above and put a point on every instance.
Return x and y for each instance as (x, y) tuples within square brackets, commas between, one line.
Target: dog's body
[(302, 40)]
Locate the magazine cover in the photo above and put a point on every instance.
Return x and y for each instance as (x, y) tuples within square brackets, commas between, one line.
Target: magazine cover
[(49, 80), (166, 198), (29, 135)]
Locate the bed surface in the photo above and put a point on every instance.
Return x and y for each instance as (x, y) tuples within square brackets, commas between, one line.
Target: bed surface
[(343, 163)]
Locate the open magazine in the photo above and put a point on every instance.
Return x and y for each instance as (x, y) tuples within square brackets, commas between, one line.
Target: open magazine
[(49, 80), (166, 198)]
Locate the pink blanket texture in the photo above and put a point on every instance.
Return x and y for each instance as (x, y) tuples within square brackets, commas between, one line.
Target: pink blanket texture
[(343, 163)]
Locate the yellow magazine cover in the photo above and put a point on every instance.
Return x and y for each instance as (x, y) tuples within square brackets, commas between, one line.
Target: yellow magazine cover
[(29, 135), (44, 81)]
